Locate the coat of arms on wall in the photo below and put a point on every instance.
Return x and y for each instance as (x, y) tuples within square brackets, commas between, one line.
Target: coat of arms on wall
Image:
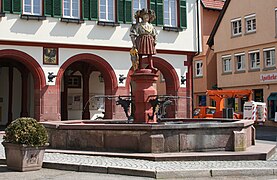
[(50, 55)]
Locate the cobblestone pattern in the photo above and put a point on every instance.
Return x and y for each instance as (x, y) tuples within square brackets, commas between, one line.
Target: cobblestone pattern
[(151, 165), (157, 166)]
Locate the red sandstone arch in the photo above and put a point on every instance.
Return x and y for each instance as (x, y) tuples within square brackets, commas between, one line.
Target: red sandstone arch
[(36, 70), (106, 70)]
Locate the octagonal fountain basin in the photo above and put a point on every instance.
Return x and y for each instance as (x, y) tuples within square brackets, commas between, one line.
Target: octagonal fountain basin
[(172, 135)]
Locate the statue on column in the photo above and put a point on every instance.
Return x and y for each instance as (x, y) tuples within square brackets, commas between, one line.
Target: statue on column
[(144, 38)]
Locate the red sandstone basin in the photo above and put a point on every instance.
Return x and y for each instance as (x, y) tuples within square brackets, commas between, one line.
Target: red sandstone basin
[(172, 135)]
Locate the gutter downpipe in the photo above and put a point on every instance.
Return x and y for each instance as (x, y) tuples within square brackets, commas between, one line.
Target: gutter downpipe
[(198, 52)]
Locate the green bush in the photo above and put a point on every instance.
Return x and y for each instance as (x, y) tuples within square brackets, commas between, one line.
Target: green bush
[(26, 130)]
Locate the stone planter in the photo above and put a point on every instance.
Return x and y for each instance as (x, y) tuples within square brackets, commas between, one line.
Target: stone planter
[(21, 157)]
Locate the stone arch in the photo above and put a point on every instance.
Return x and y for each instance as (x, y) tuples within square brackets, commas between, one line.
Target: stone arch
[(103, 66), (38, 75)]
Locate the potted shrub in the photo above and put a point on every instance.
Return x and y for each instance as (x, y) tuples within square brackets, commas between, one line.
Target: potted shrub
[(25, 141)]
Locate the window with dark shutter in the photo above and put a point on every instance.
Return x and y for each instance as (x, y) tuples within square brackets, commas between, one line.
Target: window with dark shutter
[(94, 9), (16, 6), (57, 8), (7, 6), (183, 13), (157, 6), (124, 10), (48, 7), (86, 9)]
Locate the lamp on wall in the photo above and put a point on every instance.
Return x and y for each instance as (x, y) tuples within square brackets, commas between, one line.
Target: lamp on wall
[(101, 79)]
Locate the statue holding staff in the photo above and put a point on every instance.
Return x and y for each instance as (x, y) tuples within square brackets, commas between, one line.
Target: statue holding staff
[(144, 37)]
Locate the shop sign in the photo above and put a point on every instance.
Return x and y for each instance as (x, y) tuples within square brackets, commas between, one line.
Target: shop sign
[(268, 77)]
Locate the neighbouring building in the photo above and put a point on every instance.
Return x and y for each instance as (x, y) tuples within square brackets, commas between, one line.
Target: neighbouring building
[(56, 55), (204, 65), (244, 41)]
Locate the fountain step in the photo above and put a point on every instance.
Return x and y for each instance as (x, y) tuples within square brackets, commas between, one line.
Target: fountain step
[(260, 151)]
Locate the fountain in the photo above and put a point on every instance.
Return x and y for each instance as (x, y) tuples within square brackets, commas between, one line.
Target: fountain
[(149, 131)]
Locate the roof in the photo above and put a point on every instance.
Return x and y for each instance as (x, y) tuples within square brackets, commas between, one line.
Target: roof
[(213, 4), (210, 41)]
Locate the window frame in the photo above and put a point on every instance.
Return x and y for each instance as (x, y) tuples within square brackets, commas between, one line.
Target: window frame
[(256, 60), (250, 18), (32, 8), (169, 14), (71, 10), (272, 58), (200, 74), (106, 12), (242, 62), (238, 28), (224, 65)]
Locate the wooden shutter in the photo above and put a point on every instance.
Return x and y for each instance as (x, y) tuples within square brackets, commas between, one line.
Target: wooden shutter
[(128, 11), (16, 6), (57, 8), (86, 9), (183, 14), (160, 13), (157, 6), (48, 7), (94, 9), (120, 10), (153, 7), (7, 6)]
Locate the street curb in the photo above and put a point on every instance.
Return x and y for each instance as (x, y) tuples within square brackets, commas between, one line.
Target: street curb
[(243, 172), (100, 169), (189, 173)]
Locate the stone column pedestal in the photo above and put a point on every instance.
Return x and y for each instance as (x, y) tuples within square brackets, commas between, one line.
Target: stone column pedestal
[(144, 79)]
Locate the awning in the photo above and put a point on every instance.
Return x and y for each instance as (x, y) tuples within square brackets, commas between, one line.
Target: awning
[(272, 97)]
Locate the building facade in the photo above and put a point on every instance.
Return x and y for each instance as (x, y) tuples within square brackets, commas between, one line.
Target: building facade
[(244, 40), (57, 55), (204, 64)]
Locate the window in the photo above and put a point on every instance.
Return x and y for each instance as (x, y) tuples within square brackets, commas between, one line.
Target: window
[(236, 27), (198, 68), (226, 64), (137, 5), (32, 7), (71, 8), (202, 100), (269, 57), (240, 62), (74, 81), (106, 12), (254, 58), (170, 13), (250, 23)]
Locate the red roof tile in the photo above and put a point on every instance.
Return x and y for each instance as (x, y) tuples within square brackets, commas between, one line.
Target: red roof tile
[(213, 4)]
